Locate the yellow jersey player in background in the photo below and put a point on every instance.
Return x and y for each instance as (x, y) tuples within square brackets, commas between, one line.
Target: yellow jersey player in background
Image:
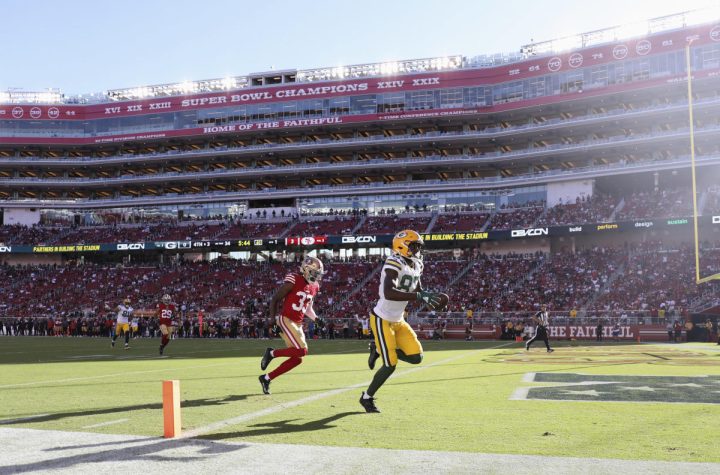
[(122, 322), (394, 338)]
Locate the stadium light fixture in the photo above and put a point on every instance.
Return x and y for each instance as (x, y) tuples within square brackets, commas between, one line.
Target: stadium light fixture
[(631, 30), (228, 83), (187, 87)]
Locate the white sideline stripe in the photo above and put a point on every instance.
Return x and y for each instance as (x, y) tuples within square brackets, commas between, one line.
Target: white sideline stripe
[(528, 378), (103, 424), (21, 419), (299, 402), (31, 450), (112, 375)]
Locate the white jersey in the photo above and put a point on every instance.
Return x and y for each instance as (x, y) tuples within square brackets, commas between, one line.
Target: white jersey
[(124, 313), (407, 280)]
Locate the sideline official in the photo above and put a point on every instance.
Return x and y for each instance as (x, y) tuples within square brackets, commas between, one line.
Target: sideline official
[(541, 320)]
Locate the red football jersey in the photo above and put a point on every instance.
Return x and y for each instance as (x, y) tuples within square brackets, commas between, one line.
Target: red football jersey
[(300, 297), (166, 313)]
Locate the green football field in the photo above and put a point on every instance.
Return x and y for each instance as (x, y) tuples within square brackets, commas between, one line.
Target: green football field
[(622, 401)]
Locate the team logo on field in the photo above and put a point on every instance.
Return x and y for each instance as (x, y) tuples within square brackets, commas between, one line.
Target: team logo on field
[(627, 388)]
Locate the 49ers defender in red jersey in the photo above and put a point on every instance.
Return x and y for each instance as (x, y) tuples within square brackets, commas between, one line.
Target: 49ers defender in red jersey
[(166, 314), (297, 293)]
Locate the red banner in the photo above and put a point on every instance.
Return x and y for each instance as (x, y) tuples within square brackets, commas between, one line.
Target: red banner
[(349, 119), (660, 43)]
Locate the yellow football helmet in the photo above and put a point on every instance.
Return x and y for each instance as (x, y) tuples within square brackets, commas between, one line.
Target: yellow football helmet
[(408, 243)]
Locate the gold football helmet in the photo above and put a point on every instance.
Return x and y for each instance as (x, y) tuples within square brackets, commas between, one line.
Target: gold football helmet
[(408, 243)]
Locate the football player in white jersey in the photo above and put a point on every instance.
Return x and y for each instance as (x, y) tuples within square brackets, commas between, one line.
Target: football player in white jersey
[(394, 337), (122, 325)]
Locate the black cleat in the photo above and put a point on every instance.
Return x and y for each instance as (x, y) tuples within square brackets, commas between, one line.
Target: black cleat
[(161, 349), (527, 348), (266, 359), (374, 355), (265, 383), (112, 343), (550, 350), (368, 404)]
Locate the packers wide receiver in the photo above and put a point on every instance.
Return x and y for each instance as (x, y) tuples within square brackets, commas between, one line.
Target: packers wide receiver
[(394, 337), (122, 322)]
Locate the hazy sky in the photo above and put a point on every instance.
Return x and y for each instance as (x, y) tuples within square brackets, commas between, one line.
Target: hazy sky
[(83, 46)]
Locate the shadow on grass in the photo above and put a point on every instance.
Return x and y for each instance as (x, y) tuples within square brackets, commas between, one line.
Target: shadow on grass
[(281, 427), (116, 410), (203, 450)]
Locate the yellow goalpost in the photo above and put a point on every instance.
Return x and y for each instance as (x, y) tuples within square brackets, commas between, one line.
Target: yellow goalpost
[(698, 278)]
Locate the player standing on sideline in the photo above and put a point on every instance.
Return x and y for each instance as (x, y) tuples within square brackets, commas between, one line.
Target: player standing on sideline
[(166, 313), (297, 293), (124, 312), (541, 319), (393, 336)]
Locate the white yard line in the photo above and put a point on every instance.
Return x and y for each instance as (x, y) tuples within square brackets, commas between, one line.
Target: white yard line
[(103, 424), (299, 402)]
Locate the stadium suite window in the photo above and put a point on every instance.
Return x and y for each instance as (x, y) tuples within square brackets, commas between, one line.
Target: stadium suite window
[(451, 98), (710, 57), (421, 100), (365, 104), (340, 105), (391, 102), (599, 76)]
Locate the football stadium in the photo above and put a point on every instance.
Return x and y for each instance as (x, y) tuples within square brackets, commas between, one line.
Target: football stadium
[(503, 263)]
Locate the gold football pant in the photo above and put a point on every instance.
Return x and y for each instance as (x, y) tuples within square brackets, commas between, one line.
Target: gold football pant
[(393, 336)]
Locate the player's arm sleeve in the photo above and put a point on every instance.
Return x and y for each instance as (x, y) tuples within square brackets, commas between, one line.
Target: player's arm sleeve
[(392, 264)]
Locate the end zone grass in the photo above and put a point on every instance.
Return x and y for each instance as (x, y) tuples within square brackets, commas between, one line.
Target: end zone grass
[(458, 399)]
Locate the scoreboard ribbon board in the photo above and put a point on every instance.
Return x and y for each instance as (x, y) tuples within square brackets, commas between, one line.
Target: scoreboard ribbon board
[(365, 240)]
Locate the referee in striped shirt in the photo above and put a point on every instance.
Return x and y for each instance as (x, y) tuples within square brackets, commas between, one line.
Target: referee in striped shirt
[(541, 321)]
